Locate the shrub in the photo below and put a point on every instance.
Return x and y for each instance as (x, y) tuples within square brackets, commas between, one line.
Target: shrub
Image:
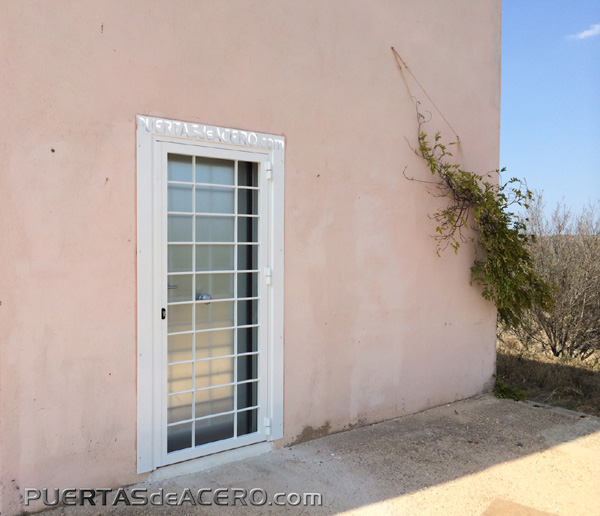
[(479, 211), (566, 253)]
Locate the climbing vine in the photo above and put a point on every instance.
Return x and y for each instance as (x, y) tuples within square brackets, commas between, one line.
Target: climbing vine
[(479, 211)]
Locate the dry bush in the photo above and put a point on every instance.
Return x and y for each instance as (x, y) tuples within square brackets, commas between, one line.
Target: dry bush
[(567, 254), (555, 354)]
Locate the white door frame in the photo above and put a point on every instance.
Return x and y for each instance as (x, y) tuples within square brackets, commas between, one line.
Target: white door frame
[(154, 135)]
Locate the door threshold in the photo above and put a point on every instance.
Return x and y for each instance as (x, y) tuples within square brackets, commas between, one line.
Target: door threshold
[(209, 461)]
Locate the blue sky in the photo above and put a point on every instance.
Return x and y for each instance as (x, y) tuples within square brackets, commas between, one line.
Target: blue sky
[(550, 131)]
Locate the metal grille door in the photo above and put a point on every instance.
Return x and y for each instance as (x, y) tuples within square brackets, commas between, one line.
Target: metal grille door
[(214, 258), (210, 281)]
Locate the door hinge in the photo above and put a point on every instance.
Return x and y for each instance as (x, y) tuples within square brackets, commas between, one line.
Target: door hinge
[(268, 426), (269, 170), (268, 275)]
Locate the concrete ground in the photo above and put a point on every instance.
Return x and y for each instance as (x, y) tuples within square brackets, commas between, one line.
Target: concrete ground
[(481, 456)]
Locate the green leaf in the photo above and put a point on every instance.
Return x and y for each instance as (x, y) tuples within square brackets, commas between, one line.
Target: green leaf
[(478, 212)]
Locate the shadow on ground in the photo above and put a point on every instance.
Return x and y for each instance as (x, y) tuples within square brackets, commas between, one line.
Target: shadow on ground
[(463, 458), (555, 383)]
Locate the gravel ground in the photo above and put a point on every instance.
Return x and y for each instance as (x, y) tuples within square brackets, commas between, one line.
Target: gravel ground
[(481, 456)]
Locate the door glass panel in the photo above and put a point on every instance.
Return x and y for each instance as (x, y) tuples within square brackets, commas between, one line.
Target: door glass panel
[(180, 347), (179, 437), (180, 258), (214, 257), (247, 257), (247, 229), (247, 202), (247, 312), (179, 198), (179, 407), (179, 377), (215, 343), (211, 199), (218, 286), (214, 315), (215, 246), (215, 371), (214, 401), (179, 318), (215, 171), (248, 284), (180, 168), (247, 174), (179, 287), (247, 394), (247, 368), (247, 340), (214, 429), (179, 228), (247, 422), (214, 229)]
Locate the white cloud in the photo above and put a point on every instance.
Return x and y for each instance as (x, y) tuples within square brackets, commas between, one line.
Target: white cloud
[(594, 30)]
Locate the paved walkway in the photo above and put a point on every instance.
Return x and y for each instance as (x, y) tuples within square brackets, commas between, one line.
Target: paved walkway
[(481, 456)]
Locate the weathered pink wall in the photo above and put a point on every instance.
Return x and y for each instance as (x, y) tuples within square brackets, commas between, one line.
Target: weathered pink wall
[(375, 324)]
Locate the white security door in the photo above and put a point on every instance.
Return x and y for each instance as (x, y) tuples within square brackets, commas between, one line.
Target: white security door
[(213, 289), (214, 386)]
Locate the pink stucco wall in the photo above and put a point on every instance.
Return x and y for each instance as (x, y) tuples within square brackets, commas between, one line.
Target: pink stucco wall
[(375, 324)]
